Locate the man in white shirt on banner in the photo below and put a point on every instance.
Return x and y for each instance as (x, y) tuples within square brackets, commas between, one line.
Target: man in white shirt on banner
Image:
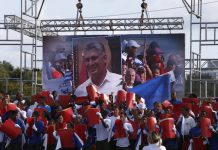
[(95, 59)]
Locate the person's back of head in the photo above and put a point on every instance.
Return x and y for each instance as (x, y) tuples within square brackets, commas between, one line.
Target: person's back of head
[(154, 137)]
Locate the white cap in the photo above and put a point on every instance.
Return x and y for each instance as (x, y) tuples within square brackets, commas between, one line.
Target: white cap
[(132, 43), (60, 56), (124, 44), (141, 106)]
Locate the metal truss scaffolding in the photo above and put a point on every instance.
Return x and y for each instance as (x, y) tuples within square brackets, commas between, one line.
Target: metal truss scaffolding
[(28, 40), (202, 35), (123, 24)]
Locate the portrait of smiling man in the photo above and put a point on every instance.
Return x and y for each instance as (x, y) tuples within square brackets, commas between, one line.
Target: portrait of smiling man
[(95, 58)]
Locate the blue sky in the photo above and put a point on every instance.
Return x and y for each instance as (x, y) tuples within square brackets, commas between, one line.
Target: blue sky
[(65, 9)]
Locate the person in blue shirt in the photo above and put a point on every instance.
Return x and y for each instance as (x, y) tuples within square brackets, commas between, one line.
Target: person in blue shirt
[(196, 138), (174, 100), (35, 140)]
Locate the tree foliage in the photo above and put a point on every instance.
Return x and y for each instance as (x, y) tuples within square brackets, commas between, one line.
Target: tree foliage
[(10, 79)]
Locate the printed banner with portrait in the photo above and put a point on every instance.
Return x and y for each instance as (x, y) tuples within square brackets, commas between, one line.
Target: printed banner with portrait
[(72, 62)]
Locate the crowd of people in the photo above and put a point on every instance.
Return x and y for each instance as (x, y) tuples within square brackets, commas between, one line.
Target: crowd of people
[(101, 114), (99, 123)]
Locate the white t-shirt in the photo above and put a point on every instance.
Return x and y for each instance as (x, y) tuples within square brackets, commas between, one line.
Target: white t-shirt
[(102, 133), (187, 124), (154, 147)]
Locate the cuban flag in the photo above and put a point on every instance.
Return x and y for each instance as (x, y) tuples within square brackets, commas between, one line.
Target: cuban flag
[(68, 75), (78, 141), (138, 140)]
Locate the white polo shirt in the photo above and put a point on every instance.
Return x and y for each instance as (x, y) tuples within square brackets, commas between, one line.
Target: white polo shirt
[(111, 83)]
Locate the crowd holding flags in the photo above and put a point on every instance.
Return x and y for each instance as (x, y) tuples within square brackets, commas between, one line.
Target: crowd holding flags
[(100, 121)]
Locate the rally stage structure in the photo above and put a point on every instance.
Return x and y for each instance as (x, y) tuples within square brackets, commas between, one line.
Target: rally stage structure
[(30, 34)]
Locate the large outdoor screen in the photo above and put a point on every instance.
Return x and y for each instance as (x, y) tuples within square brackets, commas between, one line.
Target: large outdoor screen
[(70, 63)]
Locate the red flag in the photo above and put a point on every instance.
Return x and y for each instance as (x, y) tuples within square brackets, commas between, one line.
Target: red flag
[(103, 97), (208, 110), (163, 116), (196, 109), (177, 109), (11, 106), (40, 111), (190, 100), (64, 100), (205, 124), (119, 130), (205, 103), (81, 130), (81, 100), (67, 114), (30, 121), (130, 98), (167, 126), (92, 92), (135, 125), (82, 111), (51, 138), (49, 100), (66, 136), (92, 117), (151, 123), (198, 143), (121, 97), (10, 129)]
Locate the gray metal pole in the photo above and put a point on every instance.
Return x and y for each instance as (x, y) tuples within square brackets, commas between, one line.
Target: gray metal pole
[(200, 34), (190, 80), (21, 47), (205, 88), (35, 51), (6, 85)]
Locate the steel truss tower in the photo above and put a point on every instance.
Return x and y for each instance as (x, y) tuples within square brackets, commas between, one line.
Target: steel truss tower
[(200, 39)]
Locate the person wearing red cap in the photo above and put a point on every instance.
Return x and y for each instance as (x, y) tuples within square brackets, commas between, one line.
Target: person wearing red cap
[(95, 59)]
